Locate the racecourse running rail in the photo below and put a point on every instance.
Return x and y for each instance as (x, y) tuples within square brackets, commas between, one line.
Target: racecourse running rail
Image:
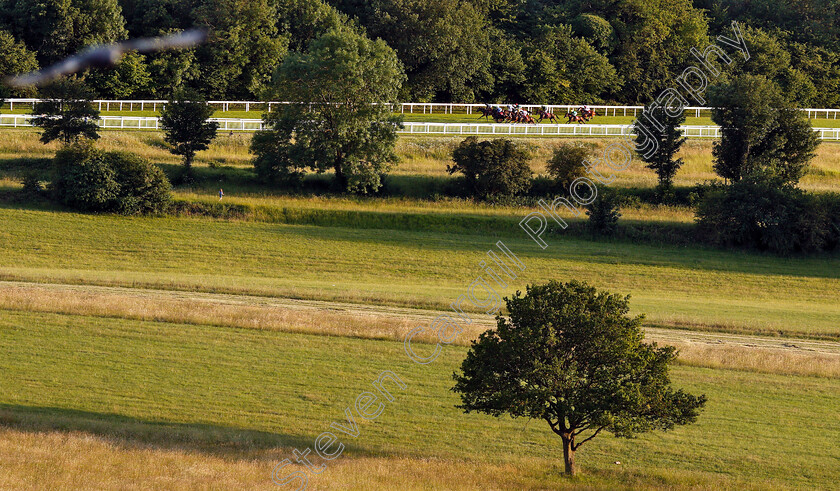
[(465, 129)]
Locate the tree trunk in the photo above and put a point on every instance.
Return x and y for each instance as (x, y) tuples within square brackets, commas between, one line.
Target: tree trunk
[(569, 455), (188, 160), (340, 178)]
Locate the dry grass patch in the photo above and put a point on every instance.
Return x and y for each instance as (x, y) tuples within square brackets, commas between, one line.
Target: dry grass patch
[(757, 359), (79, 460)]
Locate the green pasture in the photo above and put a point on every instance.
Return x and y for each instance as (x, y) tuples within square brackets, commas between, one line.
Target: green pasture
[(221, 390), (392, 264)]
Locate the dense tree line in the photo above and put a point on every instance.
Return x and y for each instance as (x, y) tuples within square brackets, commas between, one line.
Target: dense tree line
[(451, 50)]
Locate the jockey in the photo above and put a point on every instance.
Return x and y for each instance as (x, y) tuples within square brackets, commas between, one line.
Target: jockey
[(574, 112)]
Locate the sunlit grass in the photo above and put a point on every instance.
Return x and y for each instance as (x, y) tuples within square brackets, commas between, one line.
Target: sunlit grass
[(249, 396)]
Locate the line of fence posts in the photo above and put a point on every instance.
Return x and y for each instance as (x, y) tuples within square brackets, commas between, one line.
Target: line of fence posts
[(241, 124), (428, 108)]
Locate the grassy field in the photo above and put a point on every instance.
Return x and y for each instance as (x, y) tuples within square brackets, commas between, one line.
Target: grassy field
[(707, 289), (245, 398), (190, 351)]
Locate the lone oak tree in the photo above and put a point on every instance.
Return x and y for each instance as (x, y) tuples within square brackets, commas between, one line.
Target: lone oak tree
[(571, 355)]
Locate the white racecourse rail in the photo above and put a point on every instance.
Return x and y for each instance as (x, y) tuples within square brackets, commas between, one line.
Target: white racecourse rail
[(406, 107), (485, 129)]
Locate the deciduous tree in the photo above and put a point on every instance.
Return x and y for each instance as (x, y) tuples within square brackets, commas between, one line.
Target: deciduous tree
[(339, 116), (760, 130), (571, 356), (243, 50), (57, 28), (444, 45), (565, 68), (185, 123), (14, 60), (66, 112)]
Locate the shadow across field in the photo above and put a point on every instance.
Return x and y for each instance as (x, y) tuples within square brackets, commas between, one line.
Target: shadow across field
[(132, 433)]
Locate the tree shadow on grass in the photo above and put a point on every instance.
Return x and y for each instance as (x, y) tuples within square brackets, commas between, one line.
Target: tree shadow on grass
[(18, 167), (133, 433)]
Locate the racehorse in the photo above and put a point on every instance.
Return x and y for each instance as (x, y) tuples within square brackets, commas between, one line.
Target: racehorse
[(544, 114), (586, 115), (521, 117), (574, 118), (487, 112)]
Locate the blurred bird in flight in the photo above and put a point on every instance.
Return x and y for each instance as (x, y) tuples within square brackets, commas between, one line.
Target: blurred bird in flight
[(108, 55)]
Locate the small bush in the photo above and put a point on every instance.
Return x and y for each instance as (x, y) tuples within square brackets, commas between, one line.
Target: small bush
[(604, 213), (493, 169), (567, 163), (88, 179)]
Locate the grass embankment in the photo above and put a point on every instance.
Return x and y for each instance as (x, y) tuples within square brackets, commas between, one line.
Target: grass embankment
[(96, 402), (676, 286)]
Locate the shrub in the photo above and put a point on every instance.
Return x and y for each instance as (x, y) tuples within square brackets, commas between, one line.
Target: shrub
[(143, 186), (830, 205), (88, 179), (762, 212), (83, 179), (604, 213), (567, 163), (492, 169)]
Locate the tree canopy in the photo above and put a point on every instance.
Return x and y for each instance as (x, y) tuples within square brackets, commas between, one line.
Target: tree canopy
[(14, 59), (54, 29), (535, 51), (339, 117), (571, 356), (186, 127), (67, 113), (760, 130)]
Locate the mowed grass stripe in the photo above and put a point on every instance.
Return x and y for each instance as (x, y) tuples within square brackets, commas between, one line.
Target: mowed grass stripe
[(280, 389), (676, 286)]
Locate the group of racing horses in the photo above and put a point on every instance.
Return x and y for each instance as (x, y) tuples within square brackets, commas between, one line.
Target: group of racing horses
[(515, 114)]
